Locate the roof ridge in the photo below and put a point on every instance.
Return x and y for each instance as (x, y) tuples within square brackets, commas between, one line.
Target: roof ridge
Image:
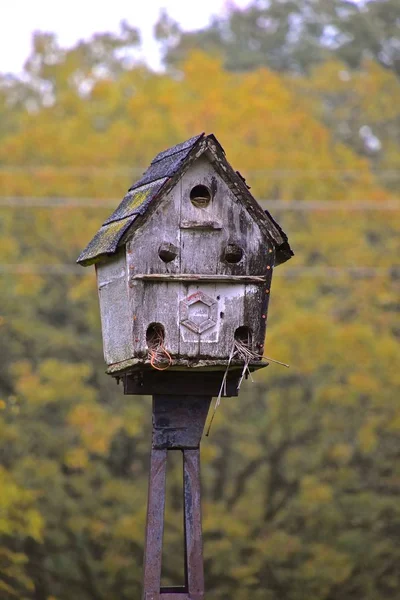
[(177, 148)]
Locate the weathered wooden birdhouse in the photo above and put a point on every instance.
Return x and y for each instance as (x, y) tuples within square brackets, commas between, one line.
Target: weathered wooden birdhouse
[(184, 268)]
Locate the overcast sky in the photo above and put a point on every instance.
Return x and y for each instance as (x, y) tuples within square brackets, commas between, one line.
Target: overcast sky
[(75, 19)]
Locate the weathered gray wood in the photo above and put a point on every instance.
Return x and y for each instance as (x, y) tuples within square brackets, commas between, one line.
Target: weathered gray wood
[(161, 226), (200, 172), (179, 364), (114, 309), (202, 225), (200, 251), (189, 341), (155, 303), (153, 290), (238, 225), (230, 316), (193, 531), (155, 525), (201, 243), (198, 277)]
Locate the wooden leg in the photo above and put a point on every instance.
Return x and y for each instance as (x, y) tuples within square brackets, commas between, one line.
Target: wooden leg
[(193, 533), (155, 525)]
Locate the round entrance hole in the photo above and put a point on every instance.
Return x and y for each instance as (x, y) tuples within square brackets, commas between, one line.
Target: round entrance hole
[(244, 336), (233, 253), (200, 196), (167, 252), (155, 335)]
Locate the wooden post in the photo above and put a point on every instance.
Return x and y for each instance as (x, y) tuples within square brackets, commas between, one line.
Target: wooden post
[(178, 423)]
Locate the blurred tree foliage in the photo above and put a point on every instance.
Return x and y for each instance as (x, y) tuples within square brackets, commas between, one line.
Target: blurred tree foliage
[(329, 49), (292, 35), (301, 473), (361, 108)]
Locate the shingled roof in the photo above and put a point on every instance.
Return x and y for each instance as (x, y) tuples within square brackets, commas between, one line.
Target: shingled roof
[(156, 181)]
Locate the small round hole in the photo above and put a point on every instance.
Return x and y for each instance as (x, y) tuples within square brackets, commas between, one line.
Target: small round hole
[(233, 253), (200, 196), (243, 334), (167, 252), (155, 335)]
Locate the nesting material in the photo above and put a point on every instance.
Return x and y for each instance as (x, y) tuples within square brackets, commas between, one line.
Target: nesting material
[(222, 390), (241, 350), (159, 357)]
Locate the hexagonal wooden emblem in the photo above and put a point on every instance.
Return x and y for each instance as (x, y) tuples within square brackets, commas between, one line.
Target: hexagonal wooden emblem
[(198, 312)]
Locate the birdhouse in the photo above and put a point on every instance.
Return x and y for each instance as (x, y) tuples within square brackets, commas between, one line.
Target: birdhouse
[(184, 268)]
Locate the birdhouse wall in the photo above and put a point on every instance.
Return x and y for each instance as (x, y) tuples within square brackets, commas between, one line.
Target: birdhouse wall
[(116, 316), (199, 317), (205, 232)]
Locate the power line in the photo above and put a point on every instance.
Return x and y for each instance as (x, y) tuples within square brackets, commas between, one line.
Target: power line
[(90, 169), (71, 170), (291, 205), (287, 271)]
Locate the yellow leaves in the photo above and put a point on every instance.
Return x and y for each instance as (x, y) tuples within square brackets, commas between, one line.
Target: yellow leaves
[(247, 574), (78, 523), (314, 493), (341, 453), (35, 523), (292, 147), (279, 545), (96, 426), (129, 527), (83, 289), (135, 417), (53, 381), (216, 518), (76, 458), (29, 285), (9, 248), (326, 565), (367, 436), (394, 424), (209, 453), (12, 568), (364, 383), (17, 515), (336, 401)]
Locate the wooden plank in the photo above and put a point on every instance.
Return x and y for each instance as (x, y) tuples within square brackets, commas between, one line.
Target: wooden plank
[(161, 227), (175, 596), (155, 525), (201, 277), (193, 532), (179, 383), (155, 302), (114, 309), (200, 173), (200, 251), (204, 225), (231, 299)]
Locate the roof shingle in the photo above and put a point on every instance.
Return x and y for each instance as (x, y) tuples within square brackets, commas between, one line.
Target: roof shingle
[(136, 201)]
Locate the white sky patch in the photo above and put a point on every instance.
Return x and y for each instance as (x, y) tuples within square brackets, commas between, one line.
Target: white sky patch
[(77, 19)]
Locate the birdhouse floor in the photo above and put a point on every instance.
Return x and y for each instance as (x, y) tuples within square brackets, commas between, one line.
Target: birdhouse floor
[(183, 364)]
